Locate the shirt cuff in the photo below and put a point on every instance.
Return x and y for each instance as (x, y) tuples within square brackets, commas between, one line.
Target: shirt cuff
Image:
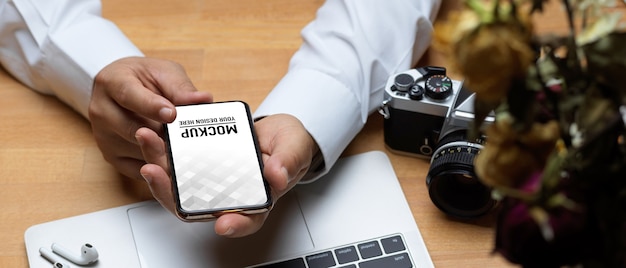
[(69, 67), (327, 109)]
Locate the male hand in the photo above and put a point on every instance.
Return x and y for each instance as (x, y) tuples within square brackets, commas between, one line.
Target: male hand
[(133, 93), (287, 153)]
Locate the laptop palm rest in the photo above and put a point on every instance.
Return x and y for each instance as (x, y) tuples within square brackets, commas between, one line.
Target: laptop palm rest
[(359, 201), (164, 241)]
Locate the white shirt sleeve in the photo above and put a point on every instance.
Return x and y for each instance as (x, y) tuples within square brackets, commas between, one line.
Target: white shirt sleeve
[(58, 47), (337, 77)]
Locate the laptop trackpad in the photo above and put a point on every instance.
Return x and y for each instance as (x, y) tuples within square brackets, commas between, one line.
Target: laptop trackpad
[(164, 241)]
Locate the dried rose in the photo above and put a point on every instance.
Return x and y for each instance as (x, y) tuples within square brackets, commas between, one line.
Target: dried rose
[(492, 56), (509, 158), (520, 239), (449, 31)]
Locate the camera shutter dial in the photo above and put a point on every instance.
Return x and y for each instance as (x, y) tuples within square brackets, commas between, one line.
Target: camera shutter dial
[(438, 87)]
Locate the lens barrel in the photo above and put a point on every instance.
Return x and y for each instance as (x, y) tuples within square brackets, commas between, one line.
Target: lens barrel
[(453, 185)]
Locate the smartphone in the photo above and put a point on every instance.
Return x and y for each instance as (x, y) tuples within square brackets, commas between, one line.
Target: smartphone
[(215, 161)]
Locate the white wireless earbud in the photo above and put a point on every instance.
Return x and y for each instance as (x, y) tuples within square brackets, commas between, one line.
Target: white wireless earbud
[(88, 254), (56, 263)]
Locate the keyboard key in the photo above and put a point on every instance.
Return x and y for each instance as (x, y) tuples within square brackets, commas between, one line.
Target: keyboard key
[(294, 263), (396, 261), (347, 254), (393, 244), (348, 266), (321, 260), (370, 250)]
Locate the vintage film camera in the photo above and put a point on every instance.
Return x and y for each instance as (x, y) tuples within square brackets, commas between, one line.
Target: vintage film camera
[(427, 115)]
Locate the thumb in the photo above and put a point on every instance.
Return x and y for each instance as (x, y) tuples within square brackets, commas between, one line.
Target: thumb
[(159, 183), (288, 149)]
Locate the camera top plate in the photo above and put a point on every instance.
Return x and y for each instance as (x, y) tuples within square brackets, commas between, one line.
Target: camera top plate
[(397, 93)]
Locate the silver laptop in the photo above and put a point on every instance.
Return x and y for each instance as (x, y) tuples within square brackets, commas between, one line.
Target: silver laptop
[(356, 216)]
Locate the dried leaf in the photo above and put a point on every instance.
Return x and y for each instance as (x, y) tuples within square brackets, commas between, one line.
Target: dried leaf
[(606, 60), (600, 28)]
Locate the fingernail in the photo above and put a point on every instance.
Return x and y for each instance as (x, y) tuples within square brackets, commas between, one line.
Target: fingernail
[(286, 174), (230, 231), (139, 140), (147, 178), (166, 113)]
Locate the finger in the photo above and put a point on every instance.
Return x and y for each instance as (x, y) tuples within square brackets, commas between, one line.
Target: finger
[(178, 88), (119, 124), (160, 185), (117, 148), (282, 171), (152, 148), (238, 225), (156, 172), (289, 149), (127, 82), (128, 167), (137, 98), (133, 96), (169, 79), (107, 116)]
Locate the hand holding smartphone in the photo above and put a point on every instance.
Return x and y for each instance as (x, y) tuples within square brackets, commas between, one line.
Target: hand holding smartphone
[(215, 161)]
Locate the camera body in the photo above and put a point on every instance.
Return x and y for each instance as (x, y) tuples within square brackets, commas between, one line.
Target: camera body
[(416, 105), (428, 115)]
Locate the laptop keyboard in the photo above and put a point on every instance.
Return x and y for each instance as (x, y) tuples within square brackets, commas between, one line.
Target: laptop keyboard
[(387, 252)]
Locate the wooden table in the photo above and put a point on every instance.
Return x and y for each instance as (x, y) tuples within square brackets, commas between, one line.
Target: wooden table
[(51, 167)]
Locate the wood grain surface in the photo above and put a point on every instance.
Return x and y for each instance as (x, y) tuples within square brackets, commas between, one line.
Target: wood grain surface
[(51, 167)]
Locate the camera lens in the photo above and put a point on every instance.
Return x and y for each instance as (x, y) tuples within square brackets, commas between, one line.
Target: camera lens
[(452, 183)]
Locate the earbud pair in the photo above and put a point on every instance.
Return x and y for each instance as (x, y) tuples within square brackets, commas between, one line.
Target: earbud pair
[(88, 255)]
